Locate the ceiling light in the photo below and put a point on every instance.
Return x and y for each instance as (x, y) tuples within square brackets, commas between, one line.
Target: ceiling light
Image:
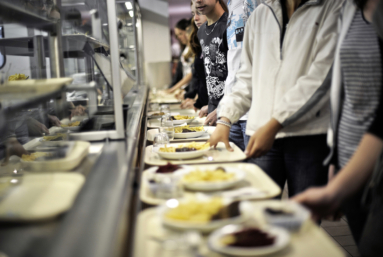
[(129, 5), (131, 13)]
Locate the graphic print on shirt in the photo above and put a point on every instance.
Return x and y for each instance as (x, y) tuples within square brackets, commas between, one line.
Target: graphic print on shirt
[(215, 67), (240, 11)]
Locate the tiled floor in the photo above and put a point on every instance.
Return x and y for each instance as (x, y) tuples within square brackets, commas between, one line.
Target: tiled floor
[(339, 232)]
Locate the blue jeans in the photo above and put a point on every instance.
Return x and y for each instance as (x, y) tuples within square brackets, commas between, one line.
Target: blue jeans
[(238, 134), (299, 160)]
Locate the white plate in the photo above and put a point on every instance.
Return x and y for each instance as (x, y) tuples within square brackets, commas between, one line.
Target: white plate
[(182, 155), (75, 128), (178, 122), (282, 239), (211, 186), (190, 134), (199, 226)]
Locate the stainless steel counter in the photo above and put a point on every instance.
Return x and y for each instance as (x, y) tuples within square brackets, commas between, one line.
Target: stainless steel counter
[(98, 222)]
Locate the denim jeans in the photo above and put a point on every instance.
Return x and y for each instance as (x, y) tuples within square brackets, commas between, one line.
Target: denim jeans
[(238, 134), (299, 160)]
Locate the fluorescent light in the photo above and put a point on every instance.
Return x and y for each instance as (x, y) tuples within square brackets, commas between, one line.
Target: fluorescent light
[(131, 13), (129, 5)]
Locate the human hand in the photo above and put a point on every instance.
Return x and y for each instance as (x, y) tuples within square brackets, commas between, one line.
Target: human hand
[(221, 134), (188, 104), (322, 201), (13, 147), (203, 111), (37, 127), (54, 120), (211, 119), (79, 110), (262, 140), (180, 95)]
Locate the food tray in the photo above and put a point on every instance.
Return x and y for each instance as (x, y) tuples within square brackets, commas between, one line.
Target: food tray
[(219, 155), (34, 197), (34, 85), (309, 241), (72, 160), (254, 177), (210, 129)]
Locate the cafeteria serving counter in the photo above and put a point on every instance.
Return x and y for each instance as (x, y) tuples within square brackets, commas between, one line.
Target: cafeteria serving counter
[(98, 222)]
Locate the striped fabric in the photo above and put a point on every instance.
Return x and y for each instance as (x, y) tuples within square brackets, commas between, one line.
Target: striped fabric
[(362, 79)]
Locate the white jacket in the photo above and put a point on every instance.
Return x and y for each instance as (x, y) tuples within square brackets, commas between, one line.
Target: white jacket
[(289, 83)]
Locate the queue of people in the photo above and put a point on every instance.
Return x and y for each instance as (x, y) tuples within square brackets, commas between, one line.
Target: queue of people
[(296, 84)]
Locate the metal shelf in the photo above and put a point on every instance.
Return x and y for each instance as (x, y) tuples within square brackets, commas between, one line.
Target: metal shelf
[(72, 45), (13, 13)]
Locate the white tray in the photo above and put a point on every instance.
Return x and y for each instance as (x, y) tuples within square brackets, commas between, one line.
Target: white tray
[(38, 196), (210, 129), (35, 85), (72, 160), (254, 177), (309, 241), (219, 155)]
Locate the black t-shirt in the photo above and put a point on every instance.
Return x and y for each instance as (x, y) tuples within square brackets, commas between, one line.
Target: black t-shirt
[(213, 41), (199, 73)]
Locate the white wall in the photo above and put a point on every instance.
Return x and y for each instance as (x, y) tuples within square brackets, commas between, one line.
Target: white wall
[(156, 42)]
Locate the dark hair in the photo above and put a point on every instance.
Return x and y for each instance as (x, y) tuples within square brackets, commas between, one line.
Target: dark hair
[(194, 42), (360, 3), (224, 6), (183, 24)]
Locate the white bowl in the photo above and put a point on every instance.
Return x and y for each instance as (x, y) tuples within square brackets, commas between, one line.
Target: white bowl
[(291, 222), (282, 239), (211, 186)]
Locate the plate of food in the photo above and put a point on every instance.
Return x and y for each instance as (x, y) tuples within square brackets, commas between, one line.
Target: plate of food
[(179, 119), (189, 132), (285, 214), (155, 115), (74, 126), (56, 137), (183, 151), (203, 214), (238, 240), (210, 179)]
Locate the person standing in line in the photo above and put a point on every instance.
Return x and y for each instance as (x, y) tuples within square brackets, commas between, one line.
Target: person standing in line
[(239, 12), (213, 40), (356, 133), (180, 32), (198, 66), (284, 83)]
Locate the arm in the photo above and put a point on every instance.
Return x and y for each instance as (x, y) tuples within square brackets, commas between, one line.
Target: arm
[(241, 94), (311, 91), (326, 200), (185, 80)]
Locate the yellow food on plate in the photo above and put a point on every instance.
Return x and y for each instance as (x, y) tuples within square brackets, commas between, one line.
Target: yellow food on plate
[(17, 76), (192, 146), (33, 156), (183, 117), (181, 129), (71, 124), (195, 211), (51, 138), (208, 176)]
